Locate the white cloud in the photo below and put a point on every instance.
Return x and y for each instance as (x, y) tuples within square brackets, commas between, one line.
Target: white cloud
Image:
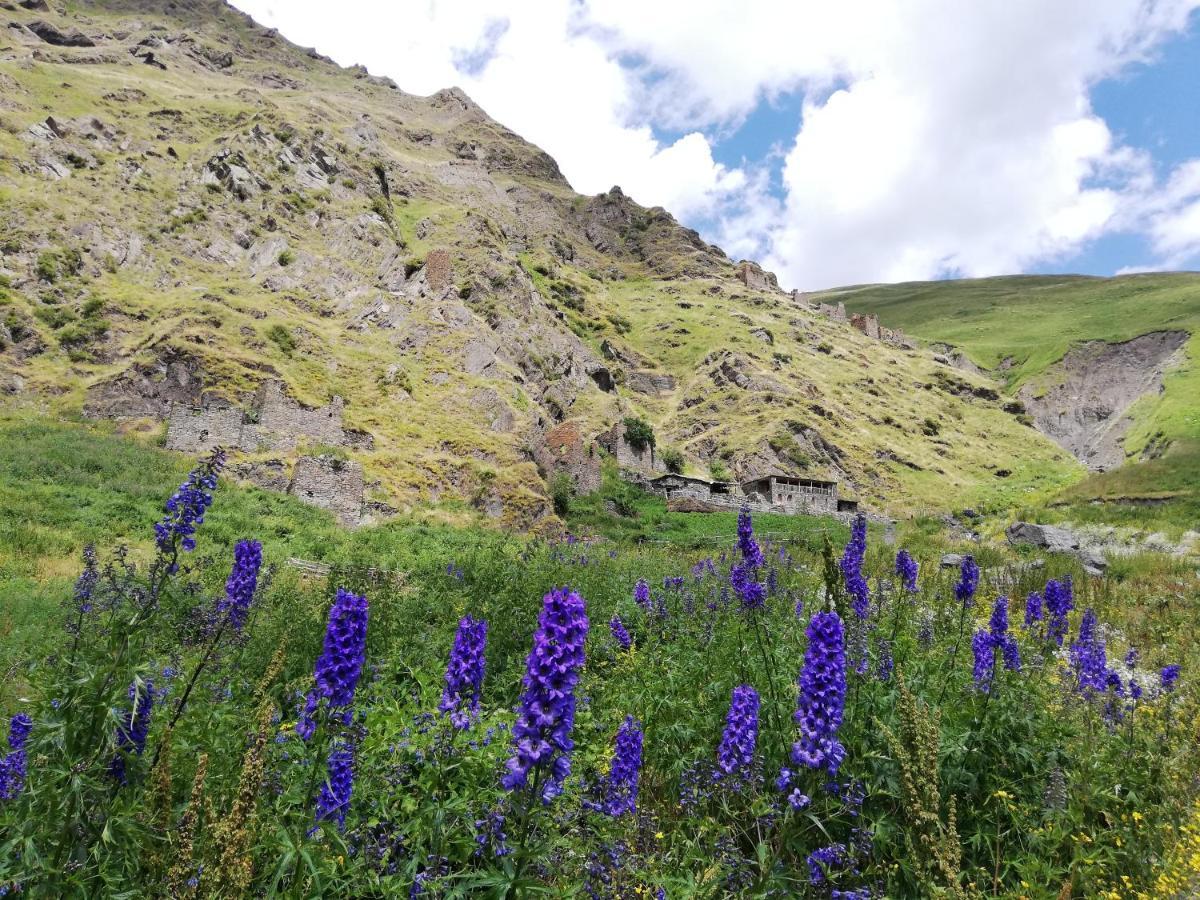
[(938, 137)]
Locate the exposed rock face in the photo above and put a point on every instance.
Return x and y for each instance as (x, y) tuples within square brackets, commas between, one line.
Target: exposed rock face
[(1082, 401), (330, 483), (64, 37), (148, 390), (653, 384)]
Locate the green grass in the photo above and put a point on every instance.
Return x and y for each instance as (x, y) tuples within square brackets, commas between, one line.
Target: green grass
[(1032, 321)]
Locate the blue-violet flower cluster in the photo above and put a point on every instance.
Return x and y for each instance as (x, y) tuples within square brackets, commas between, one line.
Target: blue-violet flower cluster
[(822, 698), (464, 672), (341, 661)]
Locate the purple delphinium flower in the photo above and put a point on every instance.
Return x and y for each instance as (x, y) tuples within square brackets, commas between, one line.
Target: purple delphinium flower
[(851, 566), (641, 594), (131, 735), (1033, 609), (986, 644), (85, 587), (985, 660), (234, 607), (542, 732), (822, 697), (341, 661), (746, 544), (12, 764), (185, 510), (622, 787), (464, 672), (1059, 603), (620, 633), (906, 570), (1088, 656), (822, 860), (968, 581), (735, 755), (744, 575), (334, 797), (1168, 676)]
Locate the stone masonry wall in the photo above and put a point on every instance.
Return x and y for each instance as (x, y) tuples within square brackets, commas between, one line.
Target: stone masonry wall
[(200, 429), (628, 456), (329, 483), (563, 449)]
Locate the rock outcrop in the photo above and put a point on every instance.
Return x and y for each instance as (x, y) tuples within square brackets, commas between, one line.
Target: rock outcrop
[(1082, 402)]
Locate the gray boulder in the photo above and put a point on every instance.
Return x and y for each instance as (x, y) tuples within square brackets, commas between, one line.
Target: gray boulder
[(951, 560), (1045, 537)]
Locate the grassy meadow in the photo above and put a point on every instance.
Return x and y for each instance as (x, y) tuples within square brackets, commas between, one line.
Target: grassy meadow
[(171, 749)]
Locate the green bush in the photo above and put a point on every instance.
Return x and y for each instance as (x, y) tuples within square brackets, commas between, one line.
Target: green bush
[(562, 490), (639, 433), (282, 338), (673, 460)]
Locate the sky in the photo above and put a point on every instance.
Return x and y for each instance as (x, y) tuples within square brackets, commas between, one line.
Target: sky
[(836, 143)]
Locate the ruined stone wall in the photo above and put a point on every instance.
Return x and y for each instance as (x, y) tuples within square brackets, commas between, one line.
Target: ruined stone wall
[(203, 428), (563, 449), (277, 422), (628, 456), (274, 421), (836, 313), (867, 324), (753, 276), (330, 483)]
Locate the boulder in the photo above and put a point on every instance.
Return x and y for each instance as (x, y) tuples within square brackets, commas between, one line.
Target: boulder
[(70, 37), (951, 560), (1093, 561), (1045, 537)]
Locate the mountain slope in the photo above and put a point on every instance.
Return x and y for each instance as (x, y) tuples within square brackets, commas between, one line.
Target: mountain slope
[(195, 206), (1122, 351)]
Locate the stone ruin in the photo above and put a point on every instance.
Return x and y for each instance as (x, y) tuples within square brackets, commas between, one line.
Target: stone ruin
[(272, 420), (327, 482), (563, 449), (331, 483), (755, 277), (628, 456), (867, 324)]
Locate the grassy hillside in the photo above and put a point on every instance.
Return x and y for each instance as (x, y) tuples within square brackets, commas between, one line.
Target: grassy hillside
[(129, 246), (1019, 327)]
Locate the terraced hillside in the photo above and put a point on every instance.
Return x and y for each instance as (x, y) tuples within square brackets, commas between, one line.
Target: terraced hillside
[(194, 206), (1107, 366)]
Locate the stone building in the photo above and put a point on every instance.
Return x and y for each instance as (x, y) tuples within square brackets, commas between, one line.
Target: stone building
[(790, 495), (642, 459), (836, 313), (330, 483), (868, 324), (272, 420), (815, 495), (563, 449), (753, 276)]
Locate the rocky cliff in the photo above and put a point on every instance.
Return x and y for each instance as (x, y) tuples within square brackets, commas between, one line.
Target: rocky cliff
[(196, 208)]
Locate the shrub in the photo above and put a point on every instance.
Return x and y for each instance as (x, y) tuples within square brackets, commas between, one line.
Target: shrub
[(639, 433), (286, 257), (282, 338), (930, 427), (55, 264), (562, 490), (673, 460)]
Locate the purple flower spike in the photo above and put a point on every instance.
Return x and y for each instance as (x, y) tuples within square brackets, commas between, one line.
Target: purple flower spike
[(622, 787), (851, 566), (620, 633), (334, 798), (341, 661), (12, 764), (906, 570), (464, 673), (234, 607), (968, 581), (735, 755), (822, 699), (185, 510), (542, 732)]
